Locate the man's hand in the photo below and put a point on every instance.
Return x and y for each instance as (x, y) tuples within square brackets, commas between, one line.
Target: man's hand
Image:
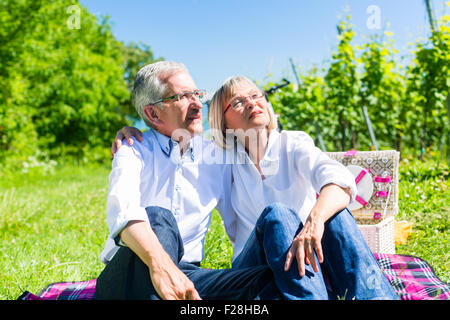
[(125, 133), (170, 282)]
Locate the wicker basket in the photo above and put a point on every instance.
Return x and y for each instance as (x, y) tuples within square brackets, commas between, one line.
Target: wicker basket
[(380, 237), (376, 217)]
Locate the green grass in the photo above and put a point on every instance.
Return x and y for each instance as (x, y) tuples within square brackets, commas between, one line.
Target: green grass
[(424, 199), (53, 226), (218, 249)]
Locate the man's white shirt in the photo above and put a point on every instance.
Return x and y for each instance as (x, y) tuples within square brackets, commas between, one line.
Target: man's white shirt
[(153, 173)]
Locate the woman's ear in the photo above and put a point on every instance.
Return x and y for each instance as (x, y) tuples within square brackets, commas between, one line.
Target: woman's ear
[(152, 113)]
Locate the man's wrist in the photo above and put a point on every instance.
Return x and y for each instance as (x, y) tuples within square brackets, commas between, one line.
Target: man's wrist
[(156, 257)]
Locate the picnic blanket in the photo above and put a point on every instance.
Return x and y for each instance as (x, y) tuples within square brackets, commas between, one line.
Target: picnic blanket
[(411, 277)]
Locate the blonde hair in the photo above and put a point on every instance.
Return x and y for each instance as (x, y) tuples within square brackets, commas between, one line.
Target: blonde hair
[(216, 116)]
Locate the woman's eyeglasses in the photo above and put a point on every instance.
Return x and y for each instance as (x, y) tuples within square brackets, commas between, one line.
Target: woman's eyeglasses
[(241, 102)]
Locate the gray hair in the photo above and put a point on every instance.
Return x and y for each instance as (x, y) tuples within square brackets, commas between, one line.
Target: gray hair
[(150, 84)]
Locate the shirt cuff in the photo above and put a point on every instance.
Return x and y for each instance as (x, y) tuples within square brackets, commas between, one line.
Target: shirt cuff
[(349, 185), (134, 214)]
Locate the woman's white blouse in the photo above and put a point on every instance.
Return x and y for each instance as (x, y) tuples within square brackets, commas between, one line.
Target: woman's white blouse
[(294, 169)]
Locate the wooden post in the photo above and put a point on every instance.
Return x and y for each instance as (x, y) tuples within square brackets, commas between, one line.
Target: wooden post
[(430, 13)]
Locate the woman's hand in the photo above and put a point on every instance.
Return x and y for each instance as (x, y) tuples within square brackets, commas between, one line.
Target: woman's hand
[(125, 133), (332, 199), (305, 244)]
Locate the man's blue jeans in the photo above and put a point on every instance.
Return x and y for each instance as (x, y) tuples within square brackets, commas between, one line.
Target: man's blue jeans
[(127, 277), (349, 265)]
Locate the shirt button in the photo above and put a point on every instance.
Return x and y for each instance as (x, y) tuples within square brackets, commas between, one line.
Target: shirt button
[(176, 211), (177, 188)]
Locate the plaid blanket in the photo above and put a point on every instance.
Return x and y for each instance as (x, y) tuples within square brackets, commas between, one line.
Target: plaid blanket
[(411, 277), (83, 290)]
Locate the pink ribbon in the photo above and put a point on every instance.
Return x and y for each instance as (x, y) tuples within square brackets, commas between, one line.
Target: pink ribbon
[(360, 200), (381, 194), (381, 179), (350, 153), (361, 175)]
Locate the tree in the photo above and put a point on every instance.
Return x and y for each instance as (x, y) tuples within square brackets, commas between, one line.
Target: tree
[(64, 89), (382, 90), (429, 86), (135, 55), (342, 87), (304, 108)]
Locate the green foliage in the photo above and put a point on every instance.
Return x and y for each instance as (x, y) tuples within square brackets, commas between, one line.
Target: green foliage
[(305, 108), (408, 105), (382, 90), (64, 88), (429, 86), (136, 55), (342, 87)]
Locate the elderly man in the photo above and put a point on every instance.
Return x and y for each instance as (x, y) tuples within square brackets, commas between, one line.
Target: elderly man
[(160, 201)]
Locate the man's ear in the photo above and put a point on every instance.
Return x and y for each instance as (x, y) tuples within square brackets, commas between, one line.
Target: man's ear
[(152, 113)]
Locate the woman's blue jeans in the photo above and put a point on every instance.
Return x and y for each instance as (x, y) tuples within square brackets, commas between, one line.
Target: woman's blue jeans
[(349, 266)]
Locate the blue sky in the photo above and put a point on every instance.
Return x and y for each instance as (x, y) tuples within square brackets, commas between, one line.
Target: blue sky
[(220, 38)]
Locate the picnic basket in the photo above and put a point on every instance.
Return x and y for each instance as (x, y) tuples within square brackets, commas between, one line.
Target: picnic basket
[(377, 201)]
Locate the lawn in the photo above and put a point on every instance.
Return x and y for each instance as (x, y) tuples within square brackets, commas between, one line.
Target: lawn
[(53, 227)]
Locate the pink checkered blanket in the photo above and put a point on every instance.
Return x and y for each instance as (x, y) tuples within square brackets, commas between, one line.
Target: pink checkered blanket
[(411, 277)]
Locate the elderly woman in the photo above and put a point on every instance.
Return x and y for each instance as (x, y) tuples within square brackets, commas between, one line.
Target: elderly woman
[(290, 204), (279, 219)]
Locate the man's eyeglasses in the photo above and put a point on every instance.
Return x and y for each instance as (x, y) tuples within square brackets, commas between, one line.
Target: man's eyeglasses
[(198, 94), (242, 101)]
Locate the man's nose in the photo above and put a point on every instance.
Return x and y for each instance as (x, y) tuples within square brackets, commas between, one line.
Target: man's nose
[(195, 103)]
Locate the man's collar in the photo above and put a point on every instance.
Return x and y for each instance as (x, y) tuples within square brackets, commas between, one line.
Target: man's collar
[(167, 144), (163, 141)]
